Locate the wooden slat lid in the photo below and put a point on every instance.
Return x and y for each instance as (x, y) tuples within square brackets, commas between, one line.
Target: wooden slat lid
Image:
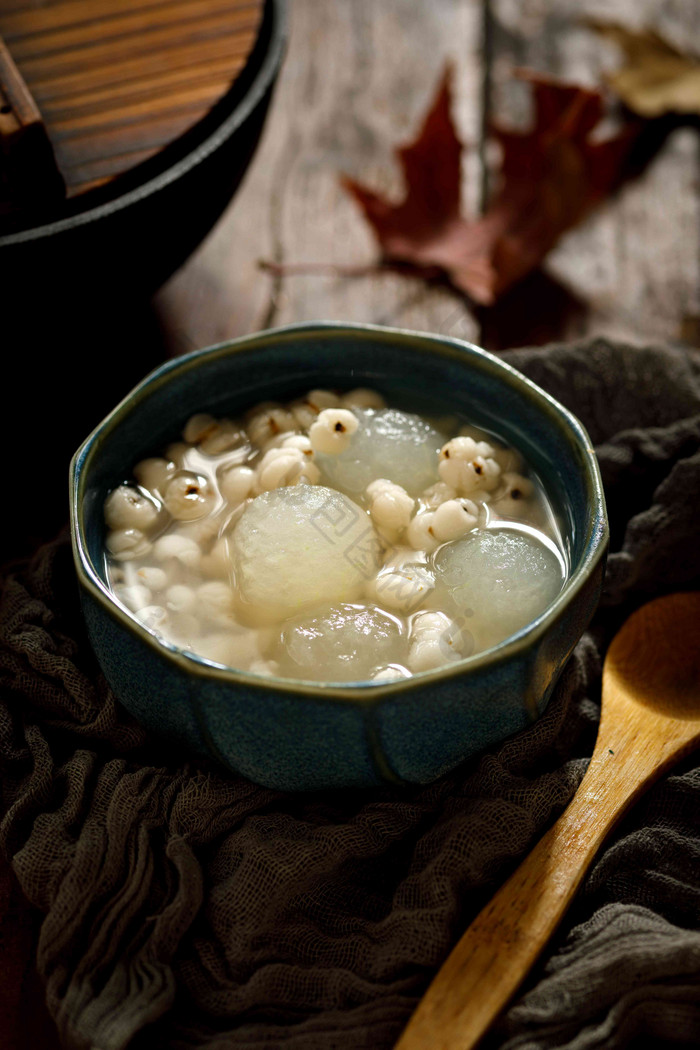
[(118, 80)]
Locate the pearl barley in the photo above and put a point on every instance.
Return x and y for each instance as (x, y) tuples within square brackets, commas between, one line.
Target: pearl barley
[(236, 484), (468, 465), (188, 497), (325, 539), (124, 544), (390, 504), (332, 431), (127, 508)]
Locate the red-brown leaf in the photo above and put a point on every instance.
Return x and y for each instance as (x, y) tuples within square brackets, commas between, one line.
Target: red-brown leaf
[(551, 176)]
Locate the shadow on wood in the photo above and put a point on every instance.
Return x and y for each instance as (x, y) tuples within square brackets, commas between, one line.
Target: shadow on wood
[(535, 311)]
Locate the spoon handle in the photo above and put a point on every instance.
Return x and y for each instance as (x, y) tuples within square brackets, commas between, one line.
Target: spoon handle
[(486, 966), (489, 962)]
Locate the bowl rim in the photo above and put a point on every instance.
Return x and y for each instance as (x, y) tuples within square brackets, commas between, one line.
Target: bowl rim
[(369, 693), (276, 11)]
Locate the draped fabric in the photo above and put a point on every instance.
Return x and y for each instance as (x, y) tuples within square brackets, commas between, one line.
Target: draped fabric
[(186, 907)]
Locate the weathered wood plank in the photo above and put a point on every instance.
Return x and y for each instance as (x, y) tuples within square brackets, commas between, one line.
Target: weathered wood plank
[(634, 264), (357, 78)]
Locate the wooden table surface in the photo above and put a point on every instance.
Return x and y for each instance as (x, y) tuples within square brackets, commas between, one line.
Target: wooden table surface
[(356, 81), (357, 78)]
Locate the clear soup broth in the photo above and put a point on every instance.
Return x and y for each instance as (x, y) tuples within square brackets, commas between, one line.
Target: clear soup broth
[(334, 538)]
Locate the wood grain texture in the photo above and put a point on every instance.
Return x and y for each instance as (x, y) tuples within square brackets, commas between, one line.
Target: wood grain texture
[(650, 720), (117, 80), (357, 78), (355, 81)]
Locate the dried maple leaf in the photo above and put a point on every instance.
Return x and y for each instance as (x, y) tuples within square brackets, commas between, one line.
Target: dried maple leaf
[(551, 176), (657, 78)]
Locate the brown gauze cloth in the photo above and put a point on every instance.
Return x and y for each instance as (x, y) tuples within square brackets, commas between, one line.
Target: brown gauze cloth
[(186, 907)]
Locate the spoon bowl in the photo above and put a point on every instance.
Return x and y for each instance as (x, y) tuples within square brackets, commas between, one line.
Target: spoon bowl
[(655, 658), (650, 719)]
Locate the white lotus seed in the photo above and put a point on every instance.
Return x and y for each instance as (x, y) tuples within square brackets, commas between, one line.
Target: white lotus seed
[(189, 496), (454, 518), (128, 508), (333, 430)]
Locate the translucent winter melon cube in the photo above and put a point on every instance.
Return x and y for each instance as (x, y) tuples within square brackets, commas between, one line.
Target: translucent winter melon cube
[(295, 547), (343, 643), (496, 581), (387, 444)]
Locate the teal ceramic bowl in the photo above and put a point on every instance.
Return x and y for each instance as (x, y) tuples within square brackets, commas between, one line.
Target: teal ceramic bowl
[(306, 736)]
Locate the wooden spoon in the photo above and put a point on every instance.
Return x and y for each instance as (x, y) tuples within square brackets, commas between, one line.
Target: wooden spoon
[(650, 718)]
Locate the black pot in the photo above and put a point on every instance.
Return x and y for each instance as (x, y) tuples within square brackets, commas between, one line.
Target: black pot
[(76, 327), (136, 233)]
